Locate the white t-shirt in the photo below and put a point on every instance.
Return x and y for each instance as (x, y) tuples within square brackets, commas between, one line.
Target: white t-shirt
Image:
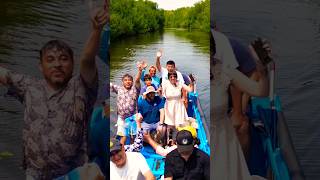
[(164, 75), (134, 169), (224, 51)]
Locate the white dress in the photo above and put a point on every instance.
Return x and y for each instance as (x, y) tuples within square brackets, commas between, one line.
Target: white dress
[(175, 113), (227, 159)]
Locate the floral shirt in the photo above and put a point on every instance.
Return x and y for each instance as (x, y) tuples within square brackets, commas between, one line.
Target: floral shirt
[(126, 100), (55, 123)]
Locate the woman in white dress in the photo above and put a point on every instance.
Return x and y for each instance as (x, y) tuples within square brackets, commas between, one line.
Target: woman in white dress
[(228, 162), (174, 109)]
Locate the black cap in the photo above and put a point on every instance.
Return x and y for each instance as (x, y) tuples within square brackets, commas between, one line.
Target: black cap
[(185, 141), (115, 145)]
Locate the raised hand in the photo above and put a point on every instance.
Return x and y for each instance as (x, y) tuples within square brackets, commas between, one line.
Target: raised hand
[(263, 50), (143, 64), (191, 76), (261, 67), (100, 18), (159, 53)]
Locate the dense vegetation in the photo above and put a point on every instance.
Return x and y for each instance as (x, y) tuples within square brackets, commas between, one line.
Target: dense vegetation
[(129, 17), (196, 17)]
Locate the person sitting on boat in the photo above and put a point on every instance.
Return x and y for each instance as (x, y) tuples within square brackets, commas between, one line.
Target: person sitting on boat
[(134, 123), (152, 72), (148, 83), (247, 66), (99, 136), (153, 141), (170, 68), (151, 108), (187, 81), (186, 161), (174, 109), (127, 96), (229, 161), (127, 165)]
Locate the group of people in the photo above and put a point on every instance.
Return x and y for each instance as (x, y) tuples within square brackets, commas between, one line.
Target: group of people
[(154, 113), (237, 72)]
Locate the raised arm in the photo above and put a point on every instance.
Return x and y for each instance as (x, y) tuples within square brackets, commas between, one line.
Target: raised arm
[(144, 66), (88, 69), (158, 64), (189, 88), (138, 76), (114, 88), (143, 72), (251, 87)]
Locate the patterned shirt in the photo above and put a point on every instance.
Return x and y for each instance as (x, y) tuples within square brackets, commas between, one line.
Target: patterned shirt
[(126, 100), (55, 123), (137, 144)]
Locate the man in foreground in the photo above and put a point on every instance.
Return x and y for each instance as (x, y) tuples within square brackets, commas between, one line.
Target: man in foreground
[(127, 165), (186, 162), (58, 107)]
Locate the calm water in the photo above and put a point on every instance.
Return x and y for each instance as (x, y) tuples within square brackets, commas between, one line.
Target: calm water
[(189, 50), (293, 27), (24, 28)]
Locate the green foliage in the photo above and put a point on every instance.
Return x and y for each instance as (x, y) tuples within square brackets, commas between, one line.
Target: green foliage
[(196, 17), (129, 17)]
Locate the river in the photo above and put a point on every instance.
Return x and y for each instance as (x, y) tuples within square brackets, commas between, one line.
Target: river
[(25, 26), (189, 50), (293, 28)]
